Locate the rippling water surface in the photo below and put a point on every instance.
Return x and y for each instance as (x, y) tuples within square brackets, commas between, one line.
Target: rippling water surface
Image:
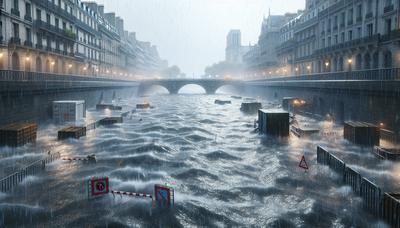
[(223, 174)]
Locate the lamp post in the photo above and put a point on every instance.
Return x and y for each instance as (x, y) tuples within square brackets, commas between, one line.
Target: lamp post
[(350, 61)]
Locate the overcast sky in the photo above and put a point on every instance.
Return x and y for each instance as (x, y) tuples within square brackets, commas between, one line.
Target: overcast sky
[(192, 33)]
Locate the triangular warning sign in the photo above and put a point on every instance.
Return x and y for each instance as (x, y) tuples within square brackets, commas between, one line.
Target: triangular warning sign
[(303, 163)]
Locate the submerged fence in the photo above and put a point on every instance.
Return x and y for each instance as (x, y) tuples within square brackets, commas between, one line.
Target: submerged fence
[(10, 181), (383, 205)]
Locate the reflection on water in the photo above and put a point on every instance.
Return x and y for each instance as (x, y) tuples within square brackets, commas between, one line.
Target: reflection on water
[(223, 173)]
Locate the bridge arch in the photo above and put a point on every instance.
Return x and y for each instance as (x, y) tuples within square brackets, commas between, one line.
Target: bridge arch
[(148, 88), (182, 89)]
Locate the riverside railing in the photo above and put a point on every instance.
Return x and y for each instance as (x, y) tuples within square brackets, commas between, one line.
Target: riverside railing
[(16, 75), (12, 180), (388, 74), (382, 204)]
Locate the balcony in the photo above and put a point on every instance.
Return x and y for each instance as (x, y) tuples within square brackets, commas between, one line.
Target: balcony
[(28, 18), (349, 22), (53, 29), (39, 46), (15, 12), (349, 44), (369, 15), (388, 8), (28, 43), (55, 9), (15, 40)]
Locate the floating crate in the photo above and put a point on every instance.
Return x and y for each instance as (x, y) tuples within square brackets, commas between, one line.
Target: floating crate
[(287, 102), (303, 131), (387, 153), (273, 122), (110, 120), (362, 133), (236, 97), (250, 107), (143, 106), (66, 111), (221, 102), (108, 106), (71, 132), (18, 134)]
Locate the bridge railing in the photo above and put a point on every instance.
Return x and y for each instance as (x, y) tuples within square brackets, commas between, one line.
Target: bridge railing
[(15, 75), (373, 74)]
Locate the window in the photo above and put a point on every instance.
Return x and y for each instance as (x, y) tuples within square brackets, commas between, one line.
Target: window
[(359, 35), (388, 25), (370, 29), (15, 5), (28, 9), (350, 35), (15, 30), (369, 6), (39, 38), (342, 37), (28, 35), (38, 14), (359, 11), (64, 25), (48, 18), (56, 23)]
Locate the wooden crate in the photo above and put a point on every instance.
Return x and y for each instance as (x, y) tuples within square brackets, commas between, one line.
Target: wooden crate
[(303, 131), (71, 132), (143, 106), (108, 106), (222, 102), (362, 133), (110, 120), (250, 107), (18, 134), (273, 122)]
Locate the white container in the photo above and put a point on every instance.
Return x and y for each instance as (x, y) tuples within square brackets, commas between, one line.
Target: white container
[(68, 111)]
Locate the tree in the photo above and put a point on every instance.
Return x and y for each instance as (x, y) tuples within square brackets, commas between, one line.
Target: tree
[(171, 72)]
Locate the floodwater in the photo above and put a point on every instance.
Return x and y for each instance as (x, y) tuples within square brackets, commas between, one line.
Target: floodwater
[(224, 174)]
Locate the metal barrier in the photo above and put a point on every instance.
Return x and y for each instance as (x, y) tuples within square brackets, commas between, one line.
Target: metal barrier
[(391, 209), (10, 181), (352, 178), (371, 195), (382, 205)]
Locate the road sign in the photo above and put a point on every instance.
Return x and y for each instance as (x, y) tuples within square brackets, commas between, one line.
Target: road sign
[(163, 195), (303, 163), (99, 186)]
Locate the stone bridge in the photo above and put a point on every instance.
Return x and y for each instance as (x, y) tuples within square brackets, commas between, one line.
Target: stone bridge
[(174, 85)]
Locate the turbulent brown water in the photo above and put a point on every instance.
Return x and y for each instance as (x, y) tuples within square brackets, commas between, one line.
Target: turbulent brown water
[(224, 174)]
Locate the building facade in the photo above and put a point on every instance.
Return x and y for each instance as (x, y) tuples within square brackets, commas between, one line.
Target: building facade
[(330, 36), (65, 37)]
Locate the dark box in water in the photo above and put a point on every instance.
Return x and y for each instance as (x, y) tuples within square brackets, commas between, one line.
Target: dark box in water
[(71, 132), (250, 107), (236, 97), (110, 120), (108, 106), (303, 131), (387, 153), (273, 122), (362, 133), (143, 106), (221, 102), (18, 134), (287, 102)]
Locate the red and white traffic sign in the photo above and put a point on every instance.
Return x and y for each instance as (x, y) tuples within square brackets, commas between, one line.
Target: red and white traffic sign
[(303, 163), (99, 186)]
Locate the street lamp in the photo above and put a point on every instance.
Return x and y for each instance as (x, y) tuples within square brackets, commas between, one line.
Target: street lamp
[(350, 61)]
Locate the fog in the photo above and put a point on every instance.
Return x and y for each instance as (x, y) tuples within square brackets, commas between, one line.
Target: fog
[(192, 33)]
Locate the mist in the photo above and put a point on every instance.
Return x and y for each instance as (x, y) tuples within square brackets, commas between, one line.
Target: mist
[(192, 33)]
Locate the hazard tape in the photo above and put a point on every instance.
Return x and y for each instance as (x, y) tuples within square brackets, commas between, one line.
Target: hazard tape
[(144, 195), (75, 159)]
